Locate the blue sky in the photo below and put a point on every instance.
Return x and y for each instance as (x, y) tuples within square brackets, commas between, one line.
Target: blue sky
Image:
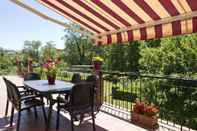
[(18, 25)]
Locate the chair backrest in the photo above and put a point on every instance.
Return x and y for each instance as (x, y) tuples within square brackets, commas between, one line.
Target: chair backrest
[(14, 93), (93, 79), (82, 96), (9, 93), (32, 76), (76, 78)]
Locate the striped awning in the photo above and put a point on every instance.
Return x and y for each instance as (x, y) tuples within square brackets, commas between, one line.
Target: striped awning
[(119, 21)]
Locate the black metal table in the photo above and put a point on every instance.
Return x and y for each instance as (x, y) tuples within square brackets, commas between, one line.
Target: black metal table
[(42, 87)]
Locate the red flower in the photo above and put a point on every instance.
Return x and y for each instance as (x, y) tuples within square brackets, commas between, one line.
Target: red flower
[(145, 109), (46, 65), (49, 61), (51, 67)]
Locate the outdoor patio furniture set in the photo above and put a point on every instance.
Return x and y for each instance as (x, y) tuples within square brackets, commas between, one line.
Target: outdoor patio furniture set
[(70, 97)]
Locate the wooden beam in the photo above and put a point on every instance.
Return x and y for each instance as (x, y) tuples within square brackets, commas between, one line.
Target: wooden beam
[(150, 24), (36, 12)]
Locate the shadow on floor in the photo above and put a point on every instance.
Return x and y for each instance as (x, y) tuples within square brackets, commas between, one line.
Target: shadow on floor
[(30, 123)]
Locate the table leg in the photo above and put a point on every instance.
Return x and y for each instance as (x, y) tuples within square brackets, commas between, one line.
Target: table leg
[(49, 112)]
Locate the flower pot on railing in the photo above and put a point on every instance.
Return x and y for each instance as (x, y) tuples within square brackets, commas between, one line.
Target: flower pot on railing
[(146, 121), (144, 114), (97, 65)]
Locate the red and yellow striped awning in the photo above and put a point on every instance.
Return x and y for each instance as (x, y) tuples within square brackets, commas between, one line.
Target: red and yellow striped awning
[(118, 21)]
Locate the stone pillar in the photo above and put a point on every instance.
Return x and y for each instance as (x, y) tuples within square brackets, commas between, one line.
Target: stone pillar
[(19, 68), (30, 66), (99, 83), (100, 89), (97, 66)]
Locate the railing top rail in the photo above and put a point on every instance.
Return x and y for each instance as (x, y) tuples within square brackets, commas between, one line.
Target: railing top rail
[(136, 74), (151, 75), (81, 66), (76, 70)]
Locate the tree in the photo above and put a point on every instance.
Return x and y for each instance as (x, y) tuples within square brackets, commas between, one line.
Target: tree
[(49, 51), (176, 55), (6, 61), (78, 47), (116, 57), (31, 49), (133, 56)]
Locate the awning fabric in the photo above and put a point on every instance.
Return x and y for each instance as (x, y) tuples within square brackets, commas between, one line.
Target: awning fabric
[(118, 21)]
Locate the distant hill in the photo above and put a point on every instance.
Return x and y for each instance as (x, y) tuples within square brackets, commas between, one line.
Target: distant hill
[(8, 51)]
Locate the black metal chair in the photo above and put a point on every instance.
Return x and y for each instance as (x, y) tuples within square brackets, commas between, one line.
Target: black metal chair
[(31, 76), (81, 102), (9, 97), (22, 93), (21, 103), (76, 78), (92, 79)]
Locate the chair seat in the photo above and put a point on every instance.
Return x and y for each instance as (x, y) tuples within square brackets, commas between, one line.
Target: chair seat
[(76, 111), (31, 103), (81, 111), (62, 100)]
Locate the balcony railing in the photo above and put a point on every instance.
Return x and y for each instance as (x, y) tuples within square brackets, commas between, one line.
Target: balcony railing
[(176, 98)]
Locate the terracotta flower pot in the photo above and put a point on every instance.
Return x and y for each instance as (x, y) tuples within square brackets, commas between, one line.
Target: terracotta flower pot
[(51, 79), (147, 121)]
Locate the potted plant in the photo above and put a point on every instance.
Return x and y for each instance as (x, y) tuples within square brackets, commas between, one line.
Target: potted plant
[(50, 68), (97, 62), (144, 114)]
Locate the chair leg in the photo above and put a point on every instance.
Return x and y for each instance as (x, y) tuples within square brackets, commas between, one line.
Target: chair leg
[(58, 116), (81, 118), (72, 124), (35, 112), (93, 121), (6, 110), (18, 121), (11, 117), (44, 113), (49, 114)]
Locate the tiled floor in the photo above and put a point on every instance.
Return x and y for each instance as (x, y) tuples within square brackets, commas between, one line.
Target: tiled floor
[(104, 121)]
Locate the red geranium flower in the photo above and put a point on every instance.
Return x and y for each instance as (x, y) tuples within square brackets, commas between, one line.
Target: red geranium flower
[(50, 68), (145, 109)]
